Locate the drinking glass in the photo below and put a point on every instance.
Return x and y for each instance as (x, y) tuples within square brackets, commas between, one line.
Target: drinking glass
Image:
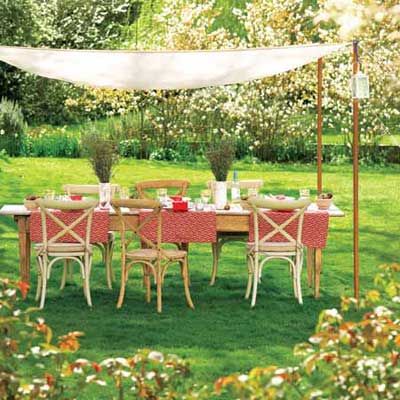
[(205, 196), (252, 192), (49, 194), (304, 193), (199, 204), (162, 193), (124, 193)]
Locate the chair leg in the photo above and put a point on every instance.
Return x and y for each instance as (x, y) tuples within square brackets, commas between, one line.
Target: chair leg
[(107, 262), (147, 282), (86, 282), (216, 251), (186, 284), (250, 269), (256, 275), (159, 291), (298, 282), (124, 278), (39, 280), (44, 284), (64, 275)]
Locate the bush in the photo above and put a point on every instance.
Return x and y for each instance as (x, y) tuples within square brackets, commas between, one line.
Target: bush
[(166, 154), (35, 365), (344, 359), (12, 127), (52, 142)]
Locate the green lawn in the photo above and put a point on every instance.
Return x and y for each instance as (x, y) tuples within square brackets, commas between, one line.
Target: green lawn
[(223, 334)]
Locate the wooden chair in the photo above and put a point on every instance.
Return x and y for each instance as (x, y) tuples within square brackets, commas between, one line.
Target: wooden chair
[(52, 250), (226, 237), (264, 249), (180, 185), (105, 248), (154, 259)]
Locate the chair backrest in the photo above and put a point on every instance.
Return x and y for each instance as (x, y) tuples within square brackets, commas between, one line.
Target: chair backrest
[(181, 186), (126, 225), (264, 217), (83, 212), (71, 189), (243, 184)]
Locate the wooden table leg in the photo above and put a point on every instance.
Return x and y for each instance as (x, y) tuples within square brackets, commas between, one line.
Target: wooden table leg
[(317, 271), (24, 247), (310, 265)]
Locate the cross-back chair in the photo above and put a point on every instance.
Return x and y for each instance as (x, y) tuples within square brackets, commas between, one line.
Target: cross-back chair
[(264, 248), (154, 259), (227, 237), (105, 248), (180, 185), (52, 249)]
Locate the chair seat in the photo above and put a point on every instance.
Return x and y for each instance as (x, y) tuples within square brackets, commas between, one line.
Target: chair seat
[(151, 254), (64, 248), (273, 247)]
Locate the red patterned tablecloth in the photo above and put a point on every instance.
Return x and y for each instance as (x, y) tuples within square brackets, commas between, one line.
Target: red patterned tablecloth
[(183, 227), (315, 227), (100, 226)]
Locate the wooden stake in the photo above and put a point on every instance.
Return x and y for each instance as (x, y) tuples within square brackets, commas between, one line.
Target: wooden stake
[(319, 127), (356, 259)]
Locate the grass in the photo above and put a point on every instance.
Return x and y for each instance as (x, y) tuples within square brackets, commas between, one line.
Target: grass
[(223, 334)]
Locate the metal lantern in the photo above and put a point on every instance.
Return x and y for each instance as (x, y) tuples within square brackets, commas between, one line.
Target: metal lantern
[(360, 86)]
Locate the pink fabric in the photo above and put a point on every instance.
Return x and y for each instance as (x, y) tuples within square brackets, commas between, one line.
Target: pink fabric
[(315, 227), (99, 233), (183, 227)]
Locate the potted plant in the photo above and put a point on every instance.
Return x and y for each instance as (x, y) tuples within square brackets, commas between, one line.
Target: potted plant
[(324, 201), (220, 156), (102, 153)]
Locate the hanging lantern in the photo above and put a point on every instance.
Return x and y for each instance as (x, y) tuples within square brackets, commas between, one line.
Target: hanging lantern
[(360, 86)]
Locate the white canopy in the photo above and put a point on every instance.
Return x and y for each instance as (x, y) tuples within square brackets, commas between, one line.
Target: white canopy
[(146, 70)]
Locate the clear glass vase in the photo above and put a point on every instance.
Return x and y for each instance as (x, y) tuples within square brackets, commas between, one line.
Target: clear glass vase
[(105, 195)]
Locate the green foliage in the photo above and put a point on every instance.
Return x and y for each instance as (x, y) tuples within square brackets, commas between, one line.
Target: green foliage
[(102, 153), (34, 365), (12, 127), (220, 155), (52, 142), (344, 359)]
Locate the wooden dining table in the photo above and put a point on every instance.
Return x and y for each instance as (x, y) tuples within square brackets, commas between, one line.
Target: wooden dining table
[(235, 220)]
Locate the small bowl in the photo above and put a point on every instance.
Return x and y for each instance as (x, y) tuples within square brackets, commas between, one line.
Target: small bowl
[(31, 205), (324, 204)]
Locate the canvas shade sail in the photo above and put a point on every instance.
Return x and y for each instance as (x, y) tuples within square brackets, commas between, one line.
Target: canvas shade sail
[(162, 69)]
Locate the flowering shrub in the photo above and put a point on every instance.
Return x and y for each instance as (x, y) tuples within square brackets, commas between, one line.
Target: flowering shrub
[(12, 127), (343, 359), (272, 118), (34, 365)]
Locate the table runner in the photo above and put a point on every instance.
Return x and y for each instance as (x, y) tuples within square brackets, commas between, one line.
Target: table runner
[(99, 233), (315, 227), (183, 227)]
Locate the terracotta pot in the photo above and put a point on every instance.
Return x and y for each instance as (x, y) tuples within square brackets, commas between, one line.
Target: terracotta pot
[(324, 204)]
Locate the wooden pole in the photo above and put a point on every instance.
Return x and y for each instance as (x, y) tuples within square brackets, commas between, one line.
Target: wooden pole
[(356, 259), (319, 127)]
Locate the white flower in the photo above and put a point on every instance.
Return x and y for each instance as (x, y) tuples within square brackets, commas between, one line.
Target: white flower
[(243, 378), (156, 356), (2, 132), (276, 380), (150, 375)]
